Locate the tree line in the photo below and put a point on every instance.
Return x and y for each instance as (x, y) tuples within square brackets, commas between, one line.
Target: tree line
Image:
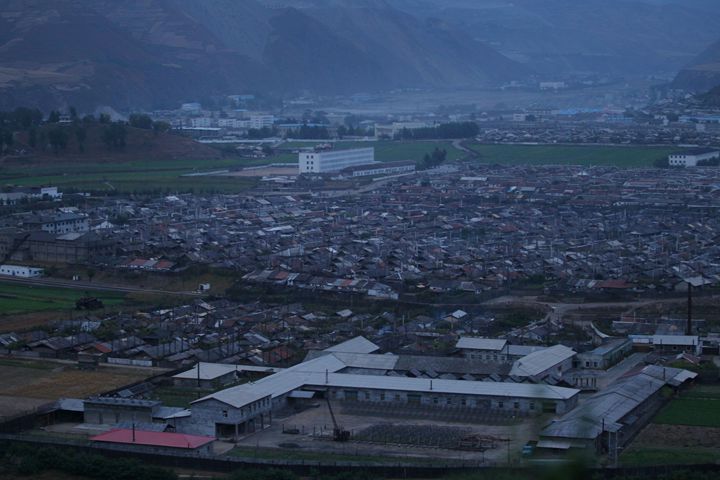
[(57, 130), (453, 130)]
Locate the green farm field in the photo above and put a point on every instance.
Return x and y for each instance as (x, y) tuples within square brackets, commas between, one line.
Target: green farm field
[(635, 156), (698, 407), (158, 176), (166, 176), (686, 431), (16, 299)]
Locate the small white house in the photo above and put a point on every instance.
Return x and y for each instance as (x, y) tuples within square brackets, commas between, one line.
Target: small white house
[(20, 271)]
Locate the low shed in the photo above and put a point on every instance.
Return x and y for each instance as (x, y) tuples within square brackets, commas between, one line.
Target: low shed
[(163, 440)]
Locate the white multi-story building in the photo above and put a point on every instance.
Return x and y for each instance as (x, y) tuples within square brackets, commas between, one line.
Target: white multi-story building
[(60, 223), (333, 161), (233, 123), (691, 157), (261, 121), (201, 122)]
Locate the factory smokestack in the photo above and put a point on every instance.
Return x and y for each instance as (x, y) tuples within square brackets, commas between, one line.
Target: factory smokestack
[(688, 329)]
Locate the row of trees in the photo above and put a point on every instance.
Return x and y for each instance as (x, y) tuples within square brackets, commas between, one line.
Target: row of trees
[(310, 133), (57, 135), (455, 130), (144, 122), (352, 130), (434, 159), (20, 119)]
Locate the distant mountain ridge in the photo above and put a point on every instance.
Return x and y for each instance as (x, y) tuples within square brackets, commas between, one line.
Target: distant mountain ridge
[(157, 53), (144, 54), (703, 73), (616, 37)]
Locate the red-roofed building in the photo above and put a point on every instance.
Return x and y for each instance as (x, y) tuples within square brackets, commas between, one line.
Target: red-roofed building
[(144, 438)]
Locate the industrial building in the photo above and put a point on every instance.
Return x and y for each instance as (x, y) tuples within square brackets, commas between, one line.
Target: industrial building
[(389, 168), (112, 410), (668, 344), (493, 349), (212, 375), (335, 160), (356, 376), (59, 223), (606, 355), (158, 441), (612, 417), (551, 362)]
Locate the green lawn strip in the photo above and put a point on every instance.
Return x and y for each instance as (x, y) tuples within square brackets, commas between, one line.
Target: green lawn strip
[(699, 412), (144, 182), (136, 175), (66, 166), (570, 155), (395, 151), (668, 456), (703, 391), (167, 175), (29, 298)]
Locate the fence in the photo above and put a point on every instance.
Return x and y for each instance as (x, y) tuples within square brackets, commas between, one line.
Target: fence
[(24, 420), (197, 461), (200, 461), (436, 412), (129, 361)]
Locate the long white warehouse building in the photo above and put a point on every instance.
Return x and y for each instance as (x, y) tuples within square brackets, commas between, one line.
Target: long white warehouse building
[(359, 377), (333, 161)]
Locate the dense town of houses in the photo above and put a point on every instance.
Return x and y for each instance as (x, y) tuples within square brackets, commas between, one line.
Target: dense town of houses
[(465, 229), (472, 229)]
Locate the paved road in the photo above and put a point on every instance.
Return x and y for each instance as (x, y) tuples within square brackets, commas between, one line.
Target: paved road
[(79, 285), (558, 310)]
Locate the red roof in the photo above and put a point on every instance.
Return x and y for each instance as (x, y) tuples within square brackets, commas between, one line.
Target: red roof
[(102, 347), (155, 439), (164, 265)]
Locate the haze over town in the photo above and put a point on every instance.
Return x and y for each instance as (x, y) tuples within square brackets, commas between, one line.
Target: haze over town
[(359, 239)]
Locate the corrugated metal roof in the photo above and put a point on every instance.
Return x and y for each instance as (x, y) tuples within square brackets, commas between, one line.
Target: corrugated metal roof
[(211, 371), (542, 360), (361, 360), (522, 350), (605, 410), (275, 385), (475, 343), (461, 387), (321, 372), (354, 345)]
